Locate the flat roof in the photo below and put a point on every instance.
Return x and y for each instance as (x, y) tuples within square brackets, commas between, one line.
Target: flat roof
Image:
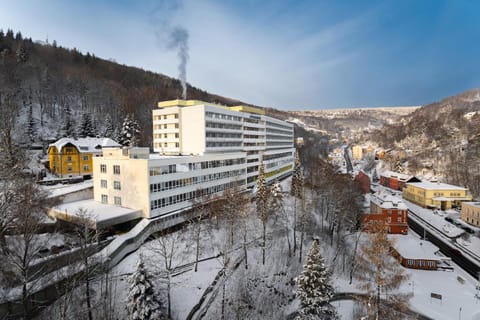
[(411, 247), (101, 215), (435, 186), (475, 204)]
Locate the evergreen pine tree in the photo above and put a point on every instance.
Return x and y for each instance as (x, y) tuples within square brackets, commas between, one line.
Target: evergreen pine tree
[(261, 201), (109, 129), (31, 124), (297, 178), (130, 132), (141, 300), (86, 128), (314, 289), (68, 128)]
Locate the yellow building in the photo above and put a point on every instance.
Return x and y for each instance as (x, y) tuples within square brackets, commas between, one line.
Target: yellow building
[(357, 152), (70, 157), (471, 213), (435, 195)]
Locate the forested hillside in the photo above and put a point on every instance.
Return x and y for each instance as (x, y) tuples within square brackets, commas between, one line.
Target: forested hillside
[(45, 87), (442, 137)]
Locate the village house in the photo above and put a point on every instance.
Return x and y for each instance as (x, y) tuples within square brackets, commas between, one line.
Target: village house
[(69, 157), (395, 180)]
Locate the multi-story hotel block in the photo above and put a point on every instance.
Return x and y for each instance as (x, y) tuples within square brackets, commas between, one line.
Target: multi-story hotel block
[(197, 146), (435, 195), (471, 213), (190, 127)]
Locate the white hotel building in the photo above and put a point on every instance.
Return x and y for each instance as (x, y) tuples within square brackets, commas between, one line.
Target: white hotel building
[(197, 145)]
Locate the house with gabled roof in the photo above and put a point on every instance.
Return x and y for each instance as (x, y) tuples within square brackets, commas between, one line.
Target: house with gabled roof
[(69, 157)]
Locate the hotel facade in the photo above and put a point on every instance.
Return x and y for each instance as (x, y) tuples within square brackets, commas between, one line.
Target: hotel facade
[(197, 146)]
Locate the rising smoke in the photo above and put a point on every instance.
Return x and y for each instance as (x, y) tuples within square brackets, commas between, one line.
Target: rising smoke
[(172, 37)]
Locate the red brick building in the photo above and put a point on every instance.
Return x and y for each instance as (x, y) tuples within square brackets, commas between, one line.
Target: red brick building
[(391, 210), (395, 180), (362, 181)]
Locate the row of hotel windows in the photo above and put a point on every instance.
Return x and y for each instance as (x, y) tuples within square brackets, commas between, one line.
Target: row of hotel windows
[(210, 134), (213, 144), (452, 194), (116, 184), (116, 200), (210, 124), (215, 115), (278, 163), (191, 166), (166, 116), (164, 126), (272, 124), (168, 201), (167, 185), (271, 137), (116, 169), (267, 157), (399, 219), (165, 135), (273, 131)]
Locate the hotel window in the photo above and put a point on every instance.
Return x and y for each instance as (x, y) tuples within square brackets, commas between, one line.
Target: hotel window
[(176, 125), (176, 115), (103, 168), (165, 135), (86, 168), (116, 185), (164, 116), (69, 169), (116, 169), (176, 135), (399, 219), (85, 158), (104, 198), (164, 126), (103, 183), (117, 201), (69, 159), (177, 145)]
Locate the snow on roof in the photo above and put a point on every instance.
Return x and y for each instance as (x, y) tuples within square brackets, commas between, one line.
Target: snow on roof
[(88, 144), (475, 204), (103, 214), (435, 186), (60, 190), (387, 201), (411, 247), (400, 176)]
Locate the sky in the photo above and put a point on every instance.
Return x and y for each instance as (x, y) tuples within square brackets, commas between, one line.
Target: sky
[(291, 54)]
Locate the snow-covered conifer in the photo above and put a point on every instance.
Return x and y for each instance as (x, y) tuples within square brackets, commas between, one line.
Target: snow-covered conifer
[(130, 131), (314, 289), (86, 128), (109, 130), (297, 178), (262, 202), (141, 301)]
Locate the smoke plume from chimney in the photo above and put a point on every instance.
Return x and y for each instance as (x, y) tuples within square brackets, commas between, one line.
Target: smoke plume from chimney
[(172, 37)]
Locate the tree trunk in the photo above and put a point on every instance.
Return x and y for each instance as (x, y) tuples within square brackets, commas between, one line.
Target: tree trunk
[(169, 302), (294, 224), (197, 251), (264, 240), (245, 244)]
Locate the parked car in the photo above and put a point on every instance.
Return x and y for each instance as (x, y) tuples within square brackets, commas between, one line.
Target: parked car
[(449, 219)]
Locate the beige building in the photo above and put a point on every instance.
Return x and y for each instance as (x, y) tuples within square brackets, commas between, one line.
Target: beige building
[(435, 195), (471, 213), (192, 127), (357, 152), (156, 185)]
